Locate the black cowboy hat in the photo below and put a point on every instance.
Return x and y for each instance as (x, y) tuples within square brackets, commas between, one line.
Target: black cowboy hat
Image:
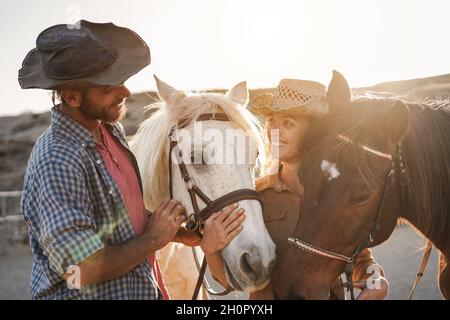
[(85, 54)]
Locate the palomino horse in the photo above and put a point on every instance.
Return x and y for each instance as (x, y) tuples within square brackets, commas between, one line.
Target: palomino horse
[(364, 165), (218, 165)]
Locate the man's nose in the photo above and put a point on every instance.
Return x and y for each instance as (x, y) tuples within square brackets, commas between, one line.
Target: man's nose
[(123, 91)]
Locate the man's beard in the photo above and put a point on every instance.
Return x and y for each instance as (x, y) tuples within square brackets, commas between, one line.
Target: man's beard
[(102, 114)]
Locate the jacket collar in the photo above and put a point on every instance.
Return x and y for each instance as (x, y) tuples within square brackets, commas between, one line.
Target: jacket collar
[(272, 180)]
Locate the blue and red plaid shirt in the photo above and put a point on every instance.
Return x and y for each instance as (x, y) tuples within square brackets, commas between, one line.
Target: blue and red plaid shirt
[(73, 207)]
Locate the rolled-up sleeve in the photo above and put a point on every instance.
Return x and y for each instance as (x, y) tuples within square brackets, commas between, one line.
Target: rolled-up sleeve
[(68, 232)]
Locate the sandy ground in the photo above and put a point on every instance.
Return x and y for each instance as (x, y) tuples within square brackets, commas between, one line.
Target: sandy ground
[(15, 262), (399, 256)]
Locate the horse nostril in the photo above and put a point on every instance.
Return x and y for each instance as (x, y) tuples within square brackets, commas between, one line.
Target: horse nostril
[(297, 296), (271, 266), (247, 267)]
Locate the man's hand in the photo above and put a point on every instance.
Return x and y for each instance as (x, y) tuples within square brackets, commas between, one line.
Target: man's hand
[(165, 222), (114, 261)]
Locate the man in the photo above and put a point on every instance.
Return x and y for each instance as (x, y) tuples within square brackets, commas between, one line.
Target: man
[(82, 198)]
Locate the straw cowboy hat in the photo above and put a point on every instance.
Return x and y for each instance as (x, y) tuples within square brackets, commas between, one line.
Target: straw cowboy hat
[(85, 54), (302, 97)]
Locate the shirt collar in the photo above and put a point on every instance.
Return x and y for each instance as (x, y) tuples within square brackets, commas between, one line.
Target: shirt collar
[(272, 181), (71, 127)]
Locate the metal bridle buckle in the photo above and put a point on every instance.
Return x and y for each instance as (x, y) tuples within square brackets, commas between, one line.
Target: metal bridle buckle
[(189, 183), (192, 223)]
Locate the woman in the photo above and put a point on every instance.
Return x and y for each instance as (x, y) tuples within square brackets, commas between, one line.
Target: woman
[(287, 114)]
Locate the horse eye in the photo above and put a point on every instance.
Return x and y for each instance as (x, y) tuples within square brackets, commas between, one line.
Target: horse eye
[(361, 199), (194, 159)]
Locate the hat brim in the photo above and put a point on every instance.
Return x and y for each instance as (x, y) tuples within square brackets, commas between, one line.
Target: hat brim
[(264, 106), (133, 56), (261, 105)]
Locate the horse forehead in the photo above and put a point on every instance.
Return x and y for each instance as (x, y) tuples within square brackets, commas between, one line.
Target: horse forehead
[(207, 131), (220, 125), (211, 125)]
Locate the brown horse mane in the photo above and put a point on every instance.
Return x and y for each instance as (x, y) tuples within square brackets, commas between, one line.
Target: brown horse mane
[(425, 149)]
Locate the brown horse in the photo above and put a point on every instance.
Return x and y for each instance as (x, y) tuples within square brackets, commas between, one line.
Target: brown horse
[(364, 165)]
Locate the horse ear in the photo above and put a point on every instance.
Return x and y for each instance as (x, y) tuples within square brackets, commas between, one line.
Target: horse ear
[(338, 93), (166, 92), (396, 119), (239, 93)]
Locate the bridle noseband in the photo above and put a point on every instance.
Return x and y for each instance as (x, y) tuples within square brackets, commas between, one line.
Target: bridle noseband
[(397, 169), (197, 218)]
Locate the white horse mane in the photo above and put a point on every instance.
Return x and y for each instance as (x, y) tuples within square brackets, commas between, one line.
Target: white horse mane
[(150, 144)]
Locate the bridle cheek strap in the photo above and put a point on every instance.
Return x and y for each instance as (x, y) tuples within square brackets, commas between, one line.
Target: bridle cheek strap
[(196, 219)]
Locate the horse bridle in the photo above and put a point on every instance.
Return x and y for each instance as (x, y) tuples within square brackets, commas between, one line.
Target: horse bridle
[(196, 219), (397, 169)]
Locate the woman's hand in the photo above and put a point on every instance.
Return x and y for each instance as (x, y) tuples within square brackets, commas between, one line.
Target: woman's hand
[(373, 288), (220, 228)]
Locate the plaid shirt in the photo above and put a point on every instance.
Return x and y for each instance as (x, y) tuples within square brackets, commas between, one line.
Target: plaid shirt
[(73, 208)]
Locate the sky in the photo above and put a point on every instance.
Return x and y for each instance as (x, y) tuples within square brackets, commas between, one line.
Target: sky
[(201, 44)]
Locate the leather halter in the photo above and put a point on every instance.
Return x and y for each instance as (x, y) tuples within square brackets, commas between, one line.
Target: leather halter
[(397, 169), (196, 219)]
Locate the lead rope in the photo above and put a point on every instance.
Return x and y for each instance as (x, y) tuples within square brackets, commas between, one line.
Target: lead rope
[(201, 276), (429, 246), (423, 265), (206, 285), (349, 276)]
